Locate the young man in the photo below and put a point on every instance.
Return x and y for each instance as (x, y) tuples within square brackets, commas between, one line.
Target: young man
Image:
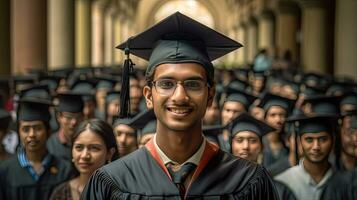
[(247, 133), (237, 102), (343, 185), (69, 115), (276, 109), (33, 172), (316, 135), (125, 135), (179, 163)]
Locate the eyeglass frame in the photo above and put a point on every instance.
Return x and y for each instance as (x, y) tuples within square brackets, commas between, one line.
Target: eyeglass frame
[(153, 83)]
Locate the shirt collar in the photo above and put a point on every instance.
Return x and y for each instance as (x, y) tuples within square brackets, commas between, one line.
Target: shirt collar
[(195, 159), (310, 180), (24, 162)]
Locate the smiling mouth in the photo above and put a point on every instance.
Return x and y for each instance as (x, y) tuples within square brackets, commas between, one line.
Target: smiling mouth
[(180, 111)]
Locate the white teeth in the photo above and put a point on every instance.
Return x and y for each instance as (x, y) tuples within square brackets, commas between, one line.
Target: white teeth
[(179, 111)]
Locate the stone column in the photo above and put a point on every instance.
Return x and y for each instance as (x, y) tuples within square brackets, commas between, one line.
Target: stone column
[(83, 32), (97, 35), (118, 54), (242, 38), (314, 47), (109, 37), (346, 38), (5, 56), (266, 31), (60, 46), (252, 43), (287, 24), (28, 36)]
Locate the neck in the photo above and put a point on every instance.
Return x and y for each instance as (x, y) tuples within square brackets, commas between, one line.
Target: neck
[(348, 161), (292, 159), (316, 170), (179, 146), (36, 156)]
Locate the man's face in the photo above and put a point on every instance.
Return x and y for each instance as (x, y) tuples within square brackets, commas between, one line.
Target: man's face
[(100, 98), (113, 107), (230, 110), (182, 109), (275, 117), (69, 122), (316, 146), (88, 109), (126, 139), (33, 135), (348, 137), (257, 112), (247, 144)]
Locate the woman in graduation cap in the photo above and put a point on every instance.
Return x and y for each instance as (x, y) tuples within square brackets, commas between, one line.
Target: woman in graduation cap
[(246, 142), (178, 163)]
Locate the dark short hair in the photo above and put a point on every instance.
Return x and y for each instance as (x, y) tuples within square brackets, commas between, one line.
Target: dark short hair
[(102, 129)]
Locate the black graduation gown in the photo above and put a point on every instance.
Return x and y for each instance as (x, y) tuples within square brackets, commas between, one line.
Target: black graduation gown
[(279, 166), (342, 186), (140, 175), (56, 148), (284, 192), (17, 183)]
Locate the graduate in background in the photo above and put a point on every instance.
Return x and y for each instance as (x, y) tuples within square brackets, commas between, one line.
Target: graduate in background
[(33, 172), (179, 163), (247, 133), (316, 135), (93, 146), (69, 114)]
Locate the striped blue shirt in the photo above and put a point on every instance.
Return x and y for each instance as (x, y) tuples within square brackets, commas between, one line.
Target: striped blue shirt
[(25, 163)]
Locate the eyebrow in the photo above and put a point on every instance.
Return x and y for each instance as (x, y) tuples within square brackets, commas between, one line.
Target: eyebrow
[(189, 78)]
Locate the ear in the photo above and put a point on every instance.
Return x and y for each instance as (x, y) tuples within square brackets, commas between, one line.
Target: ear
[(211, 94), (110, 154), (147, 92)]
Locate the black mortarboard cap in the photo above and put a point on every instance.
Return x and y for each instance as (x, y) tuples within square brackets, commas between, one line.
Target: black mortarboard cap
[(22, 82), (246, 122), (106, 82), (5, 119), (51, 81), (176, 39), (237, 85), (322, 104), (269, 100), (149, 128), (70, 102), (33, 110), (212, 132), (240, 96), (349, 98), (142, 118), (84, 88), (36, 92), (112, 95), (314, 123)]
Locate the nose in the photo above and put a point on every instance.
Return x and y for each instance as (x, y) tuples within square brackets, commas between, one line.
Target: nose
[(85, 154), (180, 94), (32, 133), (316, 145), (122, 138), (245, 144)]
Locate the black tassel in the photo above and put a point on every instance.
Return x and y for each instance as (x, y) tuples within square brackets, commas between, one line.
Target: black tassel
[(296, 135), (125, 87)]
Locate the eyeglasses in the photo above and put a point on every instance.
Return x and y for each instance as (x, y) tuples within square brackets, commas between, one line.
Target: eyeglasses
[(168, 86)]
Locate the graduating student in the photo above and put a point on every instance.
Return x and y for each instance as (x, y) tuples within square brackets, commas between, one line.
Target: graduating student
[(247, 133), (316, 135), (237, 102), (343, 186), (125, 135), (179, 163), (69, 115), (93, 146), (33, 172), (277, 109)]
